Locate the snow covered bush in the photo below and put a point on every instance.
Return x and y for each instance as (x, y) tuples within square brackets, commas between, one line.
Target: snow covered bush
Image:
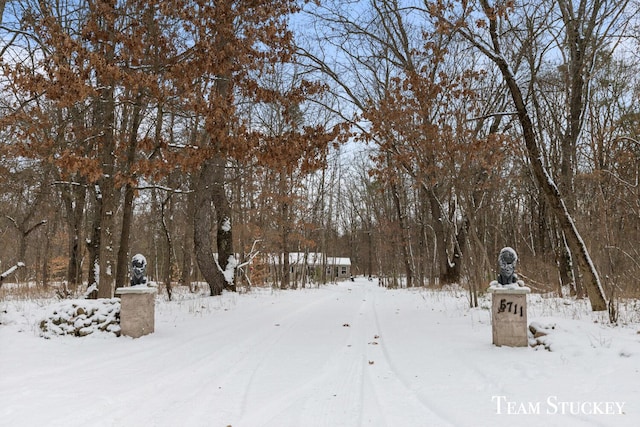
[(82, 317)]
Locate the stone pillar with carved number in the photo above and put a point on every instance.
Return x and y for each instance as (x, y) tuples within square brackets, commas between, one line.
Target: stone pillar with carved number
[(509, 315), (137, 310)]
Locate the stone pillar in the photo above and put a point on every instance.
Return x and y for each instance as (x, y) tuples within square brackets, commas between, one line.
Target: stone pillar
[(137, 310), (509, 315)]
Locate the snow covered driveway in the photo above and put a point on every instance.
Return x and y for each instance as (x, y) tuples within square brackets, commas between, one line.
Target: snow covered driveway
[(350, 354)]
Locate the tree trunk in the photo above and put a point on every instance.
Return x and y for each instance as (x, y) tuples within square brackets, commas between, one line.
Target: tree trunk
[(122, 265), (187, 244), (93, 246), (208, 184), (448, 270), (108, 207), (167, 258), (224, 238), (45, 257), (326, 222), (284, 231), (576, 41), (369, 250), (104, 128), (74, 197), (405, 241)]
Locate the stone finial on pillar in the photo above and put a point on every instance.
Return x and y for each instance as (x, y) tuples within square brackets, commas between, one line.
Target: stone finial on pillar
[(509, 303), (137, 302), (507, 260), (138, 270)]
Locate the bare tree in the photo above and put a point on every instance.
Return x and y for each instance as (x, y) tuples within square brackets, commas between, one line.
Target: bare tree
[(495, 17)]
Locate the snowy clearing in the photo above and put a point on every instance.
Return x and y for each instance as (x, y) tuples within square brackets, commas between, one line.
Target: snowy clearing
[(343, 355)]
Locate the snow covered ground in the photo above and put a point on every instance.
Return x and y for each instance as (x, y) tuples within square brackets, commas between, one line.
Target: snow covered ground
[(351, 354)]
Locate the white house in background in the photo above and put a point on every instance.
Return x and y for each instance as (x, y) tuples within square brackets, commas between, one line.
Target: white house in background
[(310, 265)]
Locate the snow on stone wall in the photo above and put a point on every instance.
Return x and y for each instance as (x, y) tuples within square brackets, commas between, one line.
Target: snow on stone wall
[(82, 317)]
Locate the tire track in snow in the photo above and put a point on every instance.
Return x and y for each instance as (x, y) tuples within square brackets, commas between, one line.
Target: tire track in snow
[(391, 378), (221, 361), (288, 320), (239, 377), (226, 369), (313, 402), (445, 358), (381, 398), (441, 361), (340, 398)]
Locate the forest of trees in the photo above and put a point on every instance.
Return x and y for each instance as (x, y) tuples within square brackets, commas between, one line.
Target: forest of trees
[(416, 137)]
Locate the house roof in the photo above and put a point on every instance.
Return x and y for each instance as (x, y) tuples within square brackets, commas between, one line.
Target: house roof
[(313, 258)]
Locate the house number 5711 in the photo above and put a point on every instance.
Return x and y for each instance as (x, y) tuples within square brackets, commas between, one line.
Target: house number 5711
[(510, 307)]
